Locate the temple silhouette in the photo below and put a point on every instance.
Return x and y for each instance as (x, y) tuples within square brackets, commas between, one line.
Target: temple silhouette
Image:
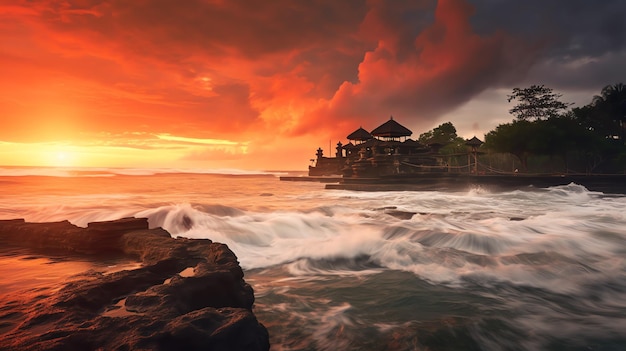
[(388, 150)]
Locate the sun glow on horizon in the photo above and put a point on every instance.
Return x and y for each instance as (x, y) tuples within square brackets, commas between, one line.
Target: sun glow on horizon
[(129, 150), (64, 159)]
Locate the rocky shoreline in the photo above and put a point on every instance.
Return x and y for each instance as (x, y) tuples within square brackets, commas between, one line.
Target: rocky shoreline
[(187, 294), (608, 183)]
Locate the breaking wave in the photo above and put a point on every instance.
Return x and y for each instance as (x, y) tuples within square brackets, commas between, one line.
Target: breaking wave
[(559, 238), (559, 250)]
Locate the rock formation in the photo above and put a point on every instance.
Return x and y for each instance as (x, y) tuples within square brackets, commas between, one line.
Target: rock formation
[(187, 294)]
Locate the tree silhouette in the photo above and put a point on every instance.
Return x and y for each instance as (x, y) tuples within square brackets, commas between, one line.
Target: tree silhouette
[(444, 134), (611, 104), (536, 102), (514, 138)]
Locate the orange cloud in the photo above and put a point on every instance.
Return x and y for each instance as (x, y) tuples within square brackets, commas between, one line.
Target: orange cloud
[(271, 75)]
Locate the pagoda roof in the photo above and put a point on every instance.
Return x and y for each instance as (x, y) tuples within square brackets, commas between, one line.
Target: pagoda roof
[(360, 135), (350, 146), (370, 143), (391, 129), (412, 142), (474, 142)]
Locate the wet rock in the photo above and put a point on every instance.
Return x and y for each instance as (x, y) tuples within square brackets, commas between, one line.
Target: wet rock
[(151, 307), (400, 214), (394, 212)]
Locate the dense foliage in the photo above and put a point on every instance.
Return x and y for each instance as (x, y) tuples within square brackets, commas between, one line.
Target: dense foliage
[(445, 138), (586, 139)]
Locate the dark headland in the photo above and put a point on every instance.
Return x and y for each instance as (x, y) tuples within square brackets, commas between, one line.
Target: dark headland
[(186, 294)]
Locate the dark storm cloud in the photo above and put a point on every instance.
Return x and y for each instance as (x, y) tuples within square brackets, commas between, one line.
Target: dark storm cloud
[(573, 27), (583, 42)]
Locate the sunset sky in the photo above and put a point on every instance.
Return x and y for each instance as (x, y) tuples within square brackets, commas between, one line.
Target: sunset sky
[(261, 84)]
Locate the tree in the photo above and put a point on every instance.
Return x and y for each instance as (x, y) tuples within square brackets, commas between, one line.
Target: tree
[(536, 102), (443, 134), (513, 138), (592, 119), (605, 119), (560, 136), (611, 105)]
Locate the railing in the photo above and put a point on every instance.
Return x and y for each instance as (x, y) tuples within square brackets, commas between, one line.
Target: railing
[(434, 167), (468, 167)]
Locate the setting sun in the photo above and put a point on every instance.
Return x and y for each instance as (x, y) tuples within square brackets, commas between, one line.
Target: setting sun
[(63, 159), (61, 155)]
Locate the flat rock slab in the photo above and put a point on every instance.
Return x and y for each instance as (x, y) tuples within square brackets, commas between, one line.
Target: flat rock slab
[(188, 294)]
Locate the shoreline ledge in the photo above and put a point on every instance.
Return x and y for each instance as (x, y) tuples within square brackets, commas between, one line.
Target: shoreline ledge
[(188, 294), (608, 183)]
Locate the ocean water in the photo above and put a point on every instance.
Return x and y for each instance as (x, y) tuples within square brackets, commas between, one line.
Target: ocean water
[(533, 269)]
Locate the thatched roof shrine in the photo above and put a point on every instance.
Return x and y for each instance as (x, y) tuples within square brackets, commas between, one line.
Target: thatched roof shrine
[(391, 129), (360, 135), (475, 142)]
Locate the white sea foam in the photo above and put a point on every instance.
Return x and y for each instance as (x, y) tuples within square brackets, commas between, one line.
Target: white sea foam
[(558, 248), (451, 238)]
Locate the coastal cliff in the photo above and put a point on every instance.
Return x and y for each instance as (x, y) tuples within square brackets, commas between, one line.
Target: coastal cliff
[(184, 294)]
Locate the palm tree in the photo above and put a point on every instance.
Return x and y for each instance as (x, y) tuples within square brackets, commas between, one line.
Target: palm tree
[(611, 104)]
